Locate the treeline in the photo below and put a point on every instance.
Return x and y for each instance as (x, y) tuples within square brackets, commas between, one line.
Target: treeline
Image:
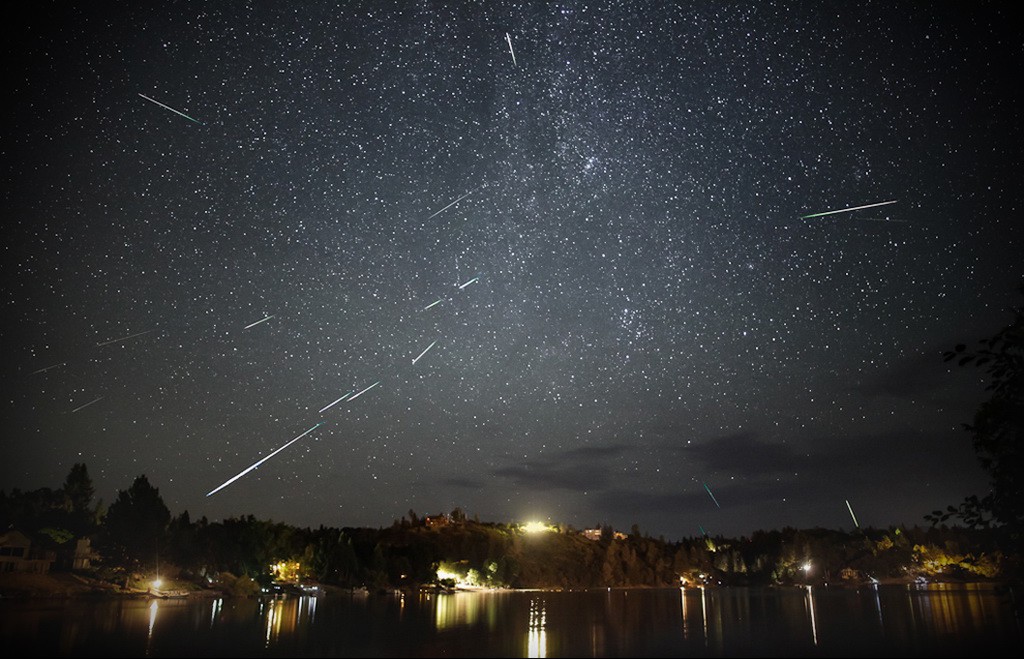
[(138, 535)]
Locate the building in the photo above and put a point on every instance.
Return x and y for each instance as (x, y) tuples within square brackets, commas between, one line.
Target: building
[(16, 554), (436, 521), (595, 534)]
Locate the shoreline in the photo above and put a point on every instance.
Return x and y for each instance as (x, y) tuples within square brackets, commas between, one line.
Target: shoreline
[(68, 585)]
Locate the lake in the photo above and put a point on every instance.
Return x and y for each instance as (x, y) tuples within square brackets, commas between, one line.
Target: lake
[(915, 620)]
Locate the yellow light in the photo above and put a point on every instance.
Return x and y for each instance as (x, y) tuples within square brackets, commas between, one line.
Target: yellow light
[(536, 527), (445, 574)]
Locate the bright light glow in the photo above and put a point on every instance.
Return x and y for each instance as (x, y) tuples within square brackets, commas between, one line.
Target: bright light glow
[(536, 527), (445, 574), (157, 583), (807, 567), (290, 571)]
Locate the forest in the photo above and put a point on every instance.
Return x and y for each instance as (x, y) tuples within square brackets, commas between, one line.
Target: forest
[(137, 537)]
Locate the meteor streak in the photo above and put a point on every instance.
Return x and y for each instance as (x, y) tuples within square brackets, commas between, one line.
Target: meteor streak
[(335, 402), (43, 370), (435, 302), (509, 40), (263, 320), (259, 462), (424, 352), (848, 507), (124, 338), (847, 210), (82, 407), (456, 201), (364, 391), (711, 495), (167, 107), (468, 283)]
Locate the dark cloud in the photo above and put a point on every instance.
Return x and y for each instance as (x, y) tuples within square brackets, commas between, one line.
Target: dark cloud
[(923, 375), (743, 454), (465, 483), (583, 468)]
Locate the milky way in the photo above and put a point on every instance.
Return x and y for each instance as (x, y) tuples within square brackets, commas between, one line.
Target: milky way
[(654, 312)]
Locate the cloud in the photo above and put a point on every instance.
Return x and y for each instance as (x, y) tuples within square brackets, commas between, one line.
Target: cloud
[(923, 375), (465, 483), (891, 475), (743, 454), (583, 468)]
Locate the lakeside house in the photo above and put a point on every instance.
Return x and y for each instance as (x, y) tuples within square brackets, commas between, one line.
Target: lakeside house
[(17, 555)]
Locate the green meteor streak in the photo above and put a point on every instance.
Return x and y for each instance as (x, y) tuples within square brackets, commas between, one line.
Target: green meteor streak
[(847, 210)]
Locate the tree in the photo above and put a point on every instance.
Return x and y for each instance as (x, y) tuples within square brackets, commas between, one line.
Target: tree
[(997, 430), (136, 524), (78, 492)]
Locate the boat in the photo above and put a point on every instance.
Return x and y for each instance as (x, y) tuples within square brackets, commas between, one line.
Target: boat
[(168, 594)]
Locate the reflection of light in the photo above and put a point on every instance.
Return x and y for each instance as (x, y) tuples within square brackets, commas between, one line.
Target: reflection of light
[(682, 599), (704, 611), (275, 616), (456, 609), (152, 619), (215, 609), (536, 638), (810, 606)]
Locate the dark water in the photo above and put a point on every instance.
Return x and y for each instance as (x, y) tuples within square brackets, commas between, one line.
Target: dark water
[(932, 620)]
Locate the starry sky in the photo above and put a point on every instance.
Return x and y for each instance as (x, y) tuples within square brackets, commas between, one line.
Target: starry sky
[(607, 202)]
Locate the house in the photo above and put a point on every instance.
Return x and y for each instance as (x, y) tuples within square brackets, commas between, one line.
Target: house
[(435, 521), (16, 554)]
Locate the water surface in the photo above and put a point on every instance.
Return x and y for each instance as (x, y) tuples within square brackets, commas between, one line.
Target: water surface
[(932, 620)]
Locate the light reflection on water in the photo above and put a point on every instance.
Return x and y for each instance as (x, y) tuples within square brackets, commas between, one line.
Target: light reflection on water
[(892, 620), (810, 613), (536, 637)]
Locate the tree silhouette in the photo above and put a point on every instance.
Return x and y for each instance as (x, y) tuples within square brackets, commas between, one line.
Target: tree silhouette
[(78, 492), (997, 430), (135, 525)]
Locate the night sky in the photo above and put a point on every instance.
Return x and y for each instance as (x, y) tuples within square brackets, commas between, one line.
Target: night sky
[(649, 312)]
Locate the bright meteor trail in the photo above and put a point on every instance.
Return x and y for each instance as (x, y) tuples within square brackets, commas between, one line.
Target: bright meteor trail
[(167, 107), (424, 352), (263, 320), (364, 391), (259, 462), (848, 507), (509, 40), (468, 283), (335, 402), (847, 210), (435, 302), (711, 495)]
